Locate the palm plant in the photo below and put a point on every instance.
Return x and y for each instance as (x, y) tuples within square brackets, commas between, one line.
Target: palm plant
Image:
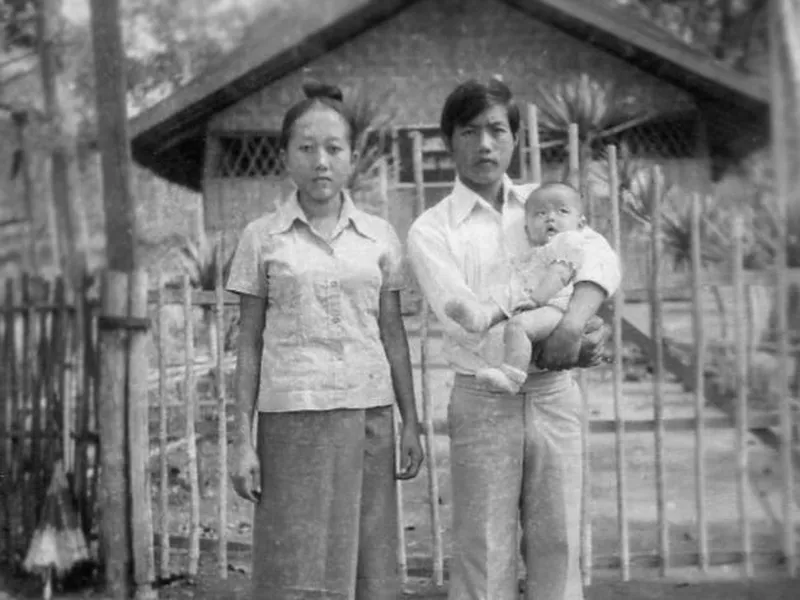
[(372, 119), (201, 259), (598, 108)]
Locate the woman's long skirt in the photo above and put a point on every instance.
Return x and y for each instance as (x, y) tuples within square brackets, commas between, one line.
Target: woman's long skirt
[(326, 525)]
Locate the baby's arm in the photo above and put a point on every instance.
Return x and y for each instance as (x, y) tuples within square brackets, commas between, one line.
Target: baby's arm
[(564, 255), (556, 277)]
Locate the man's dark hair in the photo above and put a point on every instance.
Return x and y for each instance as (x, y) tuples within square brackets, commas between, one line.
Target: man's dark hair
[(470, 99)]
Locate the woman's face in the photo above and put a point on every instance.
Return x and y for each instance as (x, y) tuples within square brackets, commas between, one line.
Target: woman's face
[(318, 156), (482, 148)]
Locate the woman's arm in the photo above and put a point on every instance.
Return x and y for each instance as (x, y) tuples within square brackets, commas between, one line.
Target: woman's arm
[(245, 469), (395, 343), (248, 364)]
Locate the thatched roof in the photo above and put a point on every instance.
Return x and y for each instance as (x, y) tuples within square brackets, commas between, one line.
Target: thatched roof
[(169, 138)]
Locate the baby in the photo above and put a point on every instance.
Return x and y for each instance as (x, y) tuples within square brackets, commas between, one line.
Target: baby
[(540, 285)]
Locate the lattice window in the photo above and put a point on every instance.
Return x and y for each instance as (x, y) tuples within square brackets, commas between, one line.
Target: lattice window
[(249, 156)]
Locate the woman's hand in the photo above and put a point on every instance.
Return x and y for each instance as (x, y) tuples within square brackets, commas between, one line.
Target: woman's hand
[(246, 472), (411, 454)]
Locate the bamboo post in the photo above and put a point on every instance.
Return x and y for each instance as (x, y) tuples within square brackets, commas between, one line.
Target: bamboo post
[(743, 388), (402, 557), (656, 328), (573, 177), (21, 120), (427, 400), (191, 440), (14, 400), (46, 398), (8, 365), (618, 369), (61, 338), (785, 94), (89, 412), (163, 433), (27, 403), (112, 417), (81, 409), (139, 441), (698, 327), (534, 147), (222, 423)]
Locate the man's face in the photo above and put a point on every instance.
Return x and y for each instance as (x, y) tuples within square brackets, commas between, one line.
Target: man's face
[(482, 148)]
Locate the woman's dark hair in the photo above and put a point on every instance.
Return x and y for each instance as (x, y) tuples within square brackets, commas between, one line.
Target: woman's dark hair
[(470, 99), (317, 94)]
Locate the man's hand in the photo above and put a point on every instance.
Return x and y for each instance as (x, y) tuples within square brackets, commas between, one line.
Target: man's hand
[(569, 346), (593, 343)]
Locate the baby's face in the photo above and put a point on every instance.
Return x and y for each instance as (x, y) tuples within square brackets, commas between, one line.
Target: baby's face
[(552, 211)]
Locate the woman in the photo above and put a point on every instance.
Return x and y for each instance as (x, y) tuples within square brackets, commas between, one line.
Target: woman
[(322, 353)]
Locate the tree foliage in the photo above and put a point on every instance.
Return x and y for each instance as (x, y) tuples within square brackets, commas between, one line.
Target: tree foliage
[(733, 31)]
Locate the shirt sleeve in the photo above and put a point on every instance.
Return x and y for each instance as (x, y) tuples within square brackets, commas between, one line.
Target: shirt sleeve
[(439, 277), (569, 248), (247, 272), (600, 264), (394, 273)]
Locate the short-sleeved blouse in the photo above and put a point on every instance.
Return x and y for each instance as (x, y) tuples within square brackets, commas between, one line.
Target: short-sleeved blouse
[(322, 348)]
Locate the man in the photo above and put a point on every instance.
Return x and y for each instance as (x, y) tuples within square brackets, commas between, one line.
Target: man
[(519, 455)]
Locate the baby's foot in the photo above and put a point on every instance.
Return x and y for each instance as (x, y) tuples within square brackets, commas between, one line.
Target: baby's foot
[(505, 379), (471, 318)]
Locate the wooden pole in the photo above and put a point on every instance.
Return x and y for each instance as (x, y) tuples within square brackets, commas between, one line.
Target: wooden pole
[(112, 136), (619, 417), (534, 147), (112, 421), (743, 389), (574, 179), (21, 122), (222, 411), (784, 19), (427, 400), (191, 433), (139, 441), (698, 327), (657, 334), (120, 295), (163, 432)]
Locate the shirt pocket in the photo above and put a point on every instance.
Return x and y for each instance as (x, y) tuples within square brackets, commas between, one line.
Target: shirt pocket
[(284, 309)]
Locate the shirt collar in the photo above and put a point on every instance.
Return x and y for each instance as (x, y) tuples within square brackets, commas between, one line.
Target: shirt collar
[(465, 200), (290, 211)]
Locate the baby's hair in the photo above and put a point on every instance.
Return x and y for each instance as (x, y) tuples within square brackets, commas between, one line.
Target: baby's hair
[(555, 185), (317, 93), (471, 98)]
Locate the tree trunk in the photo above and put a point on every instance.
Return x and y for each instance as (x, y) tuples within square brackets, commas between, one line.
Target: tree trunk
[(72, 237)]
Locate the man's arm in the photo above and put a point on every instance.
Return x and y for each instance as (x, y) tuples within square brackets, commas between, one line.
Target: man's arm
[(597, 278), (439, 277)]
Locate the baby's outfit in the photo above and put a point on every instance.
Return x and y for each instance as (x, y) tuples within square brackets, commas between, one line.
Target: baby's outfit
[(528, 270)]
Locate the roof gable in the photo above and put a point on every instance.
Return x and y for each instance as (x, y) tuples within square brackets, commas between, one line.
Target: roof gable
[(170, 137)]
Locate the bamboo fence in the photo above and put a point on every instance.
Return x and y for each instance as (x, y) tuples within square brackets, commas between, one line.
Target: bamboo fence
[(50, 405)]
